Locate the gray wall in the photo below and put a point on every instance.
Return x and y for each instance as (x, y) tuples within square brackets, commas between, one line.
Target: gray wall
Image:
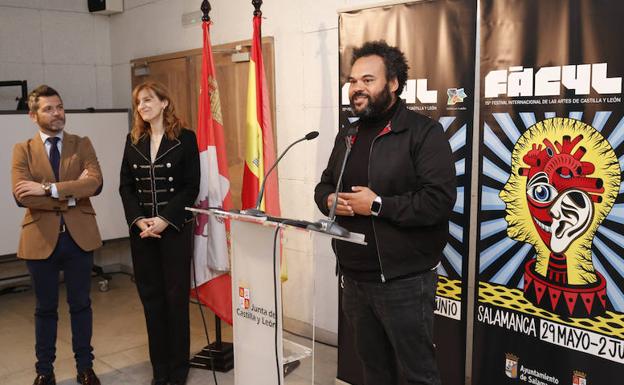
[(56, 42), (87, 58)]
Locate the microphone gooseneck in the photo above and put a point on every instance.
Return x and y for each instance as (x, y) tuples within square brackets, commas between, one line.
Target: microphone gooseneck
[(329, 225), (256, 211), (332, 211)]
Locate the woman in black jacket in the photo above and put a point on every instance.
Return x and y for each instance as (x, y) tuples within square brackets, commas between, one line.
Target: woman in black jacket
[(159, 177)]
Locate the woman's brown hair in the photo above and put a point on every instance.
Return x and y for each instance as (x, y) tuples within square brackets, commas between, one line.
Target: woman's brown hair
[(171, 122)]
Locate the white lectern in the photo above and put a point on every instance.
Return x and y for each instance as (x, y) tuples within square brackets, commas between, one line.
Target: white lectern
[(259, 350)]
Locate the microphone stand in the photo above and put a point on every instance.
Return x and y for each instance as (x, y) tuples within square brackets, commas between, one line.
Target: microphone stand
[(256, 211), (329, 226)]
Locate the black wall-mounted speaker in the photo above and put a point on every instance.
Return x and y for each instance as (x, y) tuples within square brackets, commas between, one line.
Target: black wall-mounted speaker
[(97, 5), (105, 7)]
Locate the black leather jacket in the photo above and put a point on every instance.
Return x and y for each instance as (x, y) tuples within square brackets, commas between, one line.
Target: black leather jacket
[(163, 188), (411, 168)]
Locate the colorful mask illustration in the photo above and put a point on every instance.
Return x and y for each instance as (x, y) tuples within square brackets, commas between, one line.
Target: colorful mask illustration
[(564, 181)]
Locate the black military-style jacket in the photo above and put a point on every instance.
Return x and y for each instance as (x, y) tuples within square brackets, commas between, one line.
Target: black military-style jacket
[(163, 188)]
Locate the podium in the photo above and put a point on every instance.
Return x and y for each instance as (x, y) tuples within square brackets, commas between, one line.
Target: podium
[(260, 351)]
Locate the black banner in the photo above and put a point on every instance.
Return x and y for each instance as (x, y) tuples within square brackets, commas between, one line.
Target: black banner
[(438, 39), (551, 210)]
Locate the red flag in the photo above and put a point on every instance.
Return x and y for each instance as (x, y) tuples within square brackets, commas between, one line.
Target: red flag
[(212, 262), (260, 151)]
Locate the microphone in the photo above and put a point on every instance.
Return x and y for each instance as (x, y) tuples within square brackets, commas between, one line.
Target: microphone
[(329, 225), (309, 136), (257, 212)]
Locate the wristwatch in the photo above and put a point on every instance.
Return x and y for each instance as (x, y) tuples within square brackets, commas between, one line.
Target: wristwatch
[(376, 206), (47, 188)]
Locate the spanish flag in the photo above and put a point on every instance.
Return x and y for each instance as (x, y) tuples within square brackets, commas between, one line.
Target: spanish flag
[(260, 150), (211, 247)]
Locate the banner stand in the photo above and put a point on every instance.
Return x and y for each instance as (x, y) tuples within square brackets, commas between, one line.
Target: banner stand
[(441, 85)]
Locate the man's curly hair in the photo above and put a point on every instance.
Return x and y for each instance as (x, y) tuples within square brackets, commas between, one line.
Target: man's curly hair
[(43, 90), (394, 60)]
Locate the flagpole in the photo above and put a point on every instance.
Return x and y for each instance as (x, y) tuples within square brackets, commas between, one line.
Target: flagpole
[(218, 355), (206, 8), (288, 367), (257, 4)]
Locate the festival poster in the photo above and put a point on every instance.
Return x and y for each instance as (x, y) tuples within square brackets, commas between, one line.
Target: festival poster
[(550, 303), (438, 39)]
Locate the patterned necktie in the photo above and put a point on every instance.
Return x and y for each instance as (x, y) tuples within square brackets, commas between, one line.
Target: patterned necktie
[(55, 156)]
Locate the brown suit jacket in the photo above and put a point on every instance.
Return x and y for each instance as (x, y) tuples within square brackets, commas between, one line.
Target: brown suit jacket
[(41, 224)]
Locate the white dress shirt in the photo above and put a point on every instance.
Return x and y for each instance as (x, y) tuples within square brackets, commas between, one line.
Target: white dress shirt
[(48, 146)]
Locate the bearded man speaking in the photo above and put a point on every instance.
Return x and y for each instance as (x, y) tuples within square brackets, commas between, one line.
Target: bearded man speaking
[(398, 190)]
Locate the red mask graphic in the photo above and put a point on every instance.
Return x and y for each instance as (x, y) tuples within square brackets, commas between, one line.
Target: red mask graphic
[(559, 192)]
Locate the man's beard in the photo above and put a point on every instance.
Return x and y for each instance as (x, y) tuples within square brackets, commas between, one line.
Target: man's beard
[(55, 125), (376, 105)]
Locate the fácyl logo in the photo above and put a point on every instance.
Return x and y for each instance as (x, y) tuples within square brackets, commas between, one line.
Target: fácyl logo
[(548, 81)]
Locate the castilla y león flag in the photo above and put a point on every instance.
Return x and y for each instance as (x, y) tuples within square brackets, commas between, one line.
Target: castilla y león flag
[(212, 262), (260, 151)]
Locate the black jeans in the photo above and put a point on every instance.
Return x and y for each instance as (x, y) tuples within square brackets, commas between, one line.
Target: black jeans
[(76, 265), (162, 271), (392, 326)]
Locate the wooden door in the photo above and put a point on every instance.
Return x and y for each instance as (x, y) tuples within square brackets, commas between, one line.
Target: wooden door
[(181, 72), (174, 74)]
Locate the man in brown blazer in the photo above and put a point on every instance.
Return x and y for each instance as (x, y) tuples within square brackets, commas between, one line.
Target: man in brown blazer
[(54, 174)]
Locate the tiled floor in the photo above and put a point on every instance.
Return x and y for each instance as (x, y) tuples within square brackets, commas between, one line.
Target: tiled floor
[(120, 342)]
